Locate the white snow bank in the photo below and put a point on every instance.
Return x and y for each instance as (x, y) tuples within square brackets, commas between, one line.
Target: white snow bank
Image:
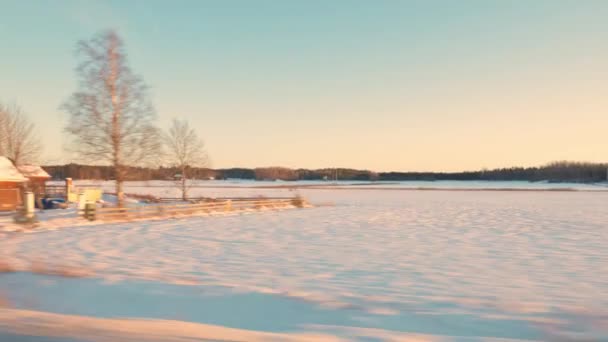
[(517, 255), (8, 171), (24, 322), (33, 171)]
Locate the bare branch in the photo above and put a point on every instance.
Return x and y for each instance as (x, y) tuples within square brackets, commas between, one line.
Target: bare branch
[(185, 150), (17, 136), (111, 118)]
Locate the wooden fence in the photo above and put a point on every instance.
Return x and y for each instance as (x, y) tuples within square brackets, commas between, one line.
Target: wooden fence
[(55, 191), (92, 212), (212, 199)]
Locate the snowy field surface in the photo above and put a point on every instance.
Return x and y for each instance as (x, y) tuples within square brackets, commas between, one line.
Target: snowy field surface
[(448, 185), (361, 265)]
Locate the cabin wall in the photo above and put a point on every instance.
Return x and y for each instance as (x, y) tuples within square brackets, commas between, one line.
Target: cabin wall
[(10, 195)]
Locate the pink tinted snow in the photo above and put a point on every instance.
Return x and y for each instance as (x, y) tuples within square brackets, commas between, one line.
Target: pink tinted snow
[(513, 255), (33, 171), (8, 172)]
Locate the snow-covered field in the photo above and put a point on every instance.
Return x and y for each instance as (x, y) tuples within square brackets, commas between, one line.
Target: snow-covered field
[(161, 188), (364, 264)]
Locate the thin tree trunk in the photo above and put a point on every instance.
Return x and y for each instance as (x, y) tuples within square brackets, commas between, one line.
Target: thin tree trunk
[(184, 185), (120, 195), (116, 135)]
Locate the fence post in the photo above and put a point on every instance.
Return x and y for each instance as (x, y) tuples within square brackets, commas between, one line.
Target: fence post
[(29, 206), (69, 185), (82, 201), (89, 211), (298, 202)]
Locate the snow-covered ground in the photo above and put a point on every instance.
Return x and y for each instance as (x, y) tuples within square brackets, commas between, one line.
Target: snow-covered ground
[(448, 185), (364, 264)]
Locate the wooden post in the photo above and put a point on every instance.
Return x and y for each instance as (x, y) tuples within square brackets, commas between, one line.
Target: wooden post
[(69, 187), (298, 202), (82, 202), (90, 211), (29, 205)]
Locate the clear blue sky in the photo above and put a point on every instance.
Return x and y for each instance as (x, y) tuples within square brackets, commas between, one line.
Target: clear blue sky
[(382, 85)]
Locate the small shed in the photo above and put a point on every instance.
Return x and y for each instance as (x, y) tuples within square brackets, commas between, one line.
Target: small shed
[(37, 178), (11, 185)]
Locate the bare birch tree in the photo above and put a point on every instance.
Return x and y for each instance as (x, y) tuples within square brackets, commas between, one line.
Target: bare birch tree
[(185, 150), (17, 136), (111, 117)]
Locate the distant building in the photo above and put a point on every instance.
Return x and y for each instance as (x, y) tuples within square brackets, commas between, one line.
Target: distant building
[(12, 183), (37, 178), (14, 180)]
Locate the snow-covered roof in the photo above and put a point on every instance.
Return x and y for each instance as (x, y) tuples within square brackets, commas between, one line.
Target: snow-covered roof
[(33, 171), (8, 171)]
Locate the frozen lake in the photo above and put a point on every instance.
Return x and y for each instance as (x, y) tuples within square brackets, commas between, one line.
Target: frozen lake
[(462, 185), (455, 265)]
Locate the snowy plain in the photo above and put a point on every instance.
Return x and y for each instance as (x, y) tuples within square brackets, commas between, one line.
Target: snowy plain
[(365, 263)]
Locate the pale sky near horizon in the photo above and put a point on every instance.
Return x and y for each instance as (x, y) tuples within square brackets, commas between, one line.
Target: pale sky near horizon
[(379, 85)]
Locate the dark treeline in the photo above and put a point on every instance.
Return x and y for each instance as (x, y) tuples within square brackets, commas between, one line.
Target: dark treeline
[(553, 172), (78, 171)]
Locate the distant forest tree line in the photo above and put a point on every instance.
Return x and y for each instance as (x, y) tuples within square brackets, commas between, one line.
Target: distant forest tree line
[(553, 172)]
